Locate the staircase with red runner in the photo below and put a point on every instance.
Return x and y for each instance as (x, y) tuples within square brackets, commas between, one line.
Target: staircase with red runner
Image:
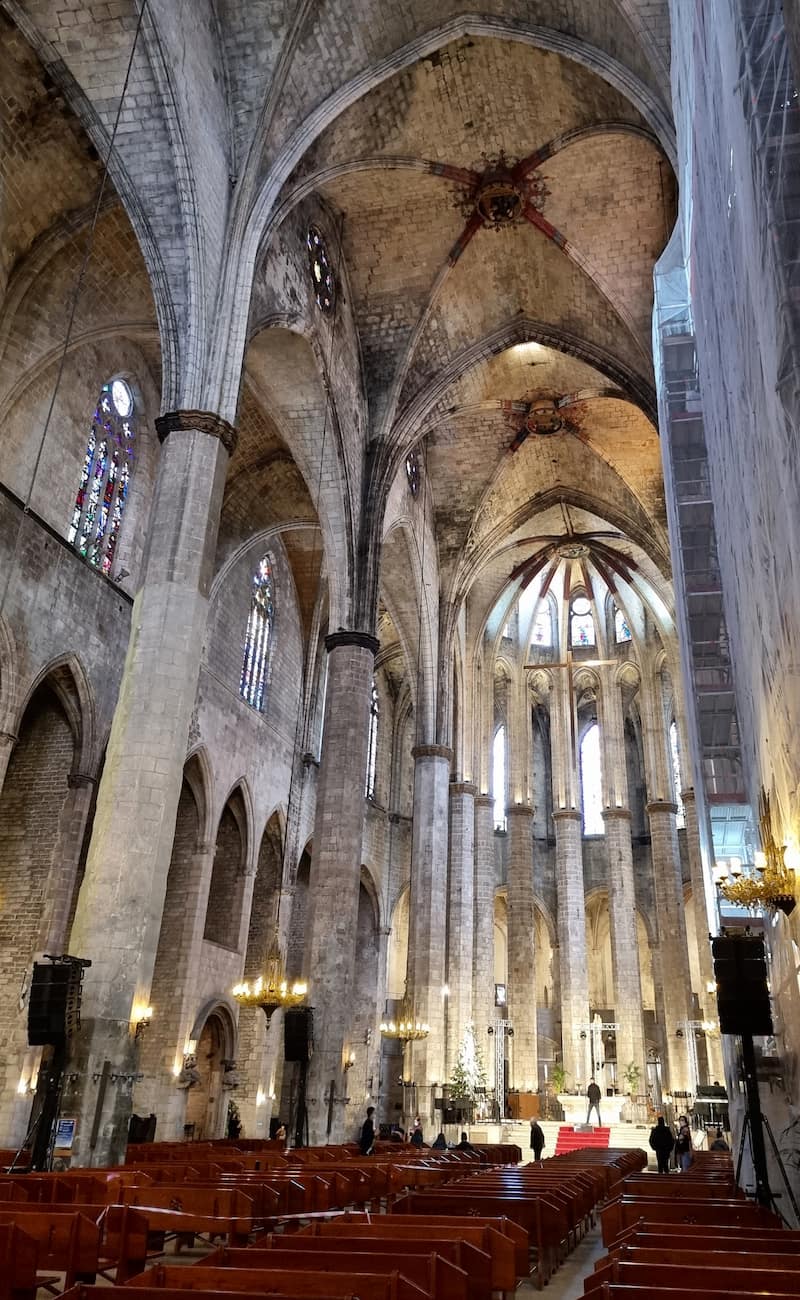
[(571, 1139)]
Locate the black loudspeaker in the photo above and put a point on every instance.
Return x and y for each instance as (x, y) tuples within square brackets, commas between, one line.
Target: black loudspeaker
[(740, 970), (53, 1004), (298, 1034)]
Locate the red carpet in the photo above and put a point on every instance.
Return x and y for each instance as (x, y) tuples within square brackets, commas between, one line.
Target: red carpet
[(570, 1140)]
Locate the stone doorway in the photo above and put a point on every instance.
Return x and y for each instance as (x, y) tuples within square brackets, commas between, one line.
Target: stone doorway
[(206, 1104)]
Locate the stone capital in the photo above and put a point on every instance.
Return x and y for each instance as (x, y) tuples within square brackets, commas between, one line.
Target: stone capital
[(661, 805), (364, 640), (688, 796), (519, 810), (566, 815), (201, 421), (484, 801), (463, 787), (432, 751), (80, 780), (619, 814)]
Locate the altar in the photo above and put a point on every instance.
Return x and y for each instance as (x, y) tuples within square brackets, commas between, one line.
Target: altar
[(575, 1108)]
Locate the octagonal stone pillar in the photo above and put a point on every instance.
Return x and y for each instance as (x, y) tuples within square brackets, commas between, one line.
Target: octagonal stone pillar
[(521, 966)]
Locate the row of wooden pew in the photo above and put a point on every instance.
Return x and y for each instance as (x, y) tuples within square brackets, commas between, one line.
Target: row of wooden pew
[(694, 1234), (327, 1222)]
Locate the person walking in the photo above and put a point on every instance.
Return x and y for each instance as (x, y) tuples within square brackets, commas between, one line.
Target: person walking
[(662, 1142), (366, 1139), (593, 1095), (537, 1139)]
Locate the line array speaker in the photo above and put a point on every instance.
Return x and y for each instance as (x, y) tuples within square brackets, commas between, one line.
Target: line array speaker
[(740, 970), (54, 1003), (298, 1034)]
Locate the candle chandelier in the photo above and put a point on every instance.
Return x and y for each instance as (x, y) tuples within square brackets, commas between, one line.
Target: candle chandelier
[(406, 1028), (771, 883), (271, 990)]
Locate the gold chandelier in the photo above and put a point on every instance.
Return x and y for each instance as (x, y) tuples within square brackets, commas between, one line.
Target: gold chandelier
[(271, 990), (406, 1028), (774, 884)]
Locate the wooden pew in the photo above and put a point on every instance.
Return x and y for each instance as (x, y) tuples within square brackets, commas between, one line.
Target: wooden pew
[(65, 1243), (625, 1212), (694, 1279), (620, 1291), (439, 1277), (502, 1227), (194, 1210), (18, 1264), (484, 1254), (693, 1236), (292, 1282)]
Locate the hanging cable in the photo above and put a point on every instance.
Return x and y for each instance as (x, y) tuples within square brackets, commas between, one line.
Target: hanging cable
[(74, 302)]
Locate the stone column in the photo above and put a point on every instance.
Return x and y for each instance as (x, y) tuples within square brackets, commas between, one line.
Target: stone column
[(621, 890), (425, 1060), (677, 985), (335, 875), (119, 910), (707, 991), (573, 965), (460, 916), (624, 945), (483, 1007), (7, 742), (521, 967)]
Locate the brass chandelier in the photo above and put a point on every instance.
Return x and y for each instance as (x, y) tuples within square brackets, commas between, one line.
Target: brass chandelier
[(774, 883), (406, 1028), (271, 991)]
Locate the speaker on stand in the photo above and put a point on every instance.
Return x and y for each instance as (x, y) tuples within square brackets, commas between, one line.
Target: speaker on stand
[(54, 1006)]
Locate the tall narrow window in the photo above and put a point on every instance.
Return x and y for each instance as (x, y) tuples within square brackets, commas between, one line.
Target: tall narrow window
[(622, 631), (674, 750), (105, 477), (581, 627), (499, 778), (591, 783), (372, 745), (543, 626), (258, 637)]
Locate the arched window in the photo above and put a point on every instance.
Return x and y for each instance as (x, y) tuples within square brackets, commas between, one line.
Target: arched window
[(674, 750), (258, 637), (372, 744), (591, 783), (581, 630), (412, 472), (499, 778), (622, 632), (543, 626), (105, 478)]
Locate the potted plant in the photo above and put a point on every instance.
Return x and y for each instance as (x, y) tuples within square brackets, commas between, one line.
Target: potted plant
[(632, 1076), (558, 1076)]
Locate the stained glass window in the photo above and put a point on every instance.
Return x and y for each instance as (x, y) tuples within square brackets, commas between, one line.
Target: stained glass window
[(675, 755), (412, 472), (581, 623), (499, 778), (543, 626), (258, 636), (621, 629), (372, 745), (105, 477), (321, 271), (591, 783)]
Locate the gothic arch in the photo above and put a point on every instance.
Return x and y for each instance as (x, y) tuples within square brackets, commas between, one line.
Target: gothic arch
[(67, 679)]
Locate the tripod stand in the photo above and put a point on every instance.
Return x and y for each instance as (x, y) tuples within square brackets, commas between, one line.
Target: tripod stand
[(755, 1123)]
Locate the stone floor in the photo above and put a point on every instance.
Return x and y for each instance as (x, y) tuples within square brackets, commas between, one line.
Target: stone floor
[(567, 1283)]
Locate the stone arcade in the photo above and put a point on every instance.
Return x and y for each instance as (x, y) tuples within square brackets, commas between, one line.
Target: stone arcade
[(391, 584)]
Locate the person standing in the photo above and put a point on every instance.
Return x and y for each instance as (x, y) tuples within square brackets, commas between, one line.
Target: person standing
[(662, 1142), (366, 1140), (683, 1148), (537, 1139), (593, 1095)]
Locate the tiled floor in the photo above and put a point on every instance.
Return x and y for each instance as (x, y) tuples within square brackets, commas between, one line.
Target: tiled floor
[(567, 1283)]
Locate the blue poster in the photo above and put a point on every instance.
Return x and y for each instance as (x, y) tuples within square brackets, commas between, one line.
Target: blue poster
[(65, 1134)]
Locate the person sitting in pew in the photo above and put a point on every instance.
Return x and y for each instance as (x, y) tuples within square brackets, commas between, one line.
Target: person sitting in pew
[(439, 1143), (719, 1143), (466, 1145)]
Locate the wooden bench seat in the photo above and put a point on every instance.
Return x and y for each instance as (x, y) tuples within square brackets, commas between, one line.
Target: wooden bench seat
[(503, 1227), (439, 1277), (65, 1243), (294, 1282), (194, 1210), (621, 1291), (18, 1264), (624, 1212), (483, 1253), (695, 1279), (692, 1236)]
